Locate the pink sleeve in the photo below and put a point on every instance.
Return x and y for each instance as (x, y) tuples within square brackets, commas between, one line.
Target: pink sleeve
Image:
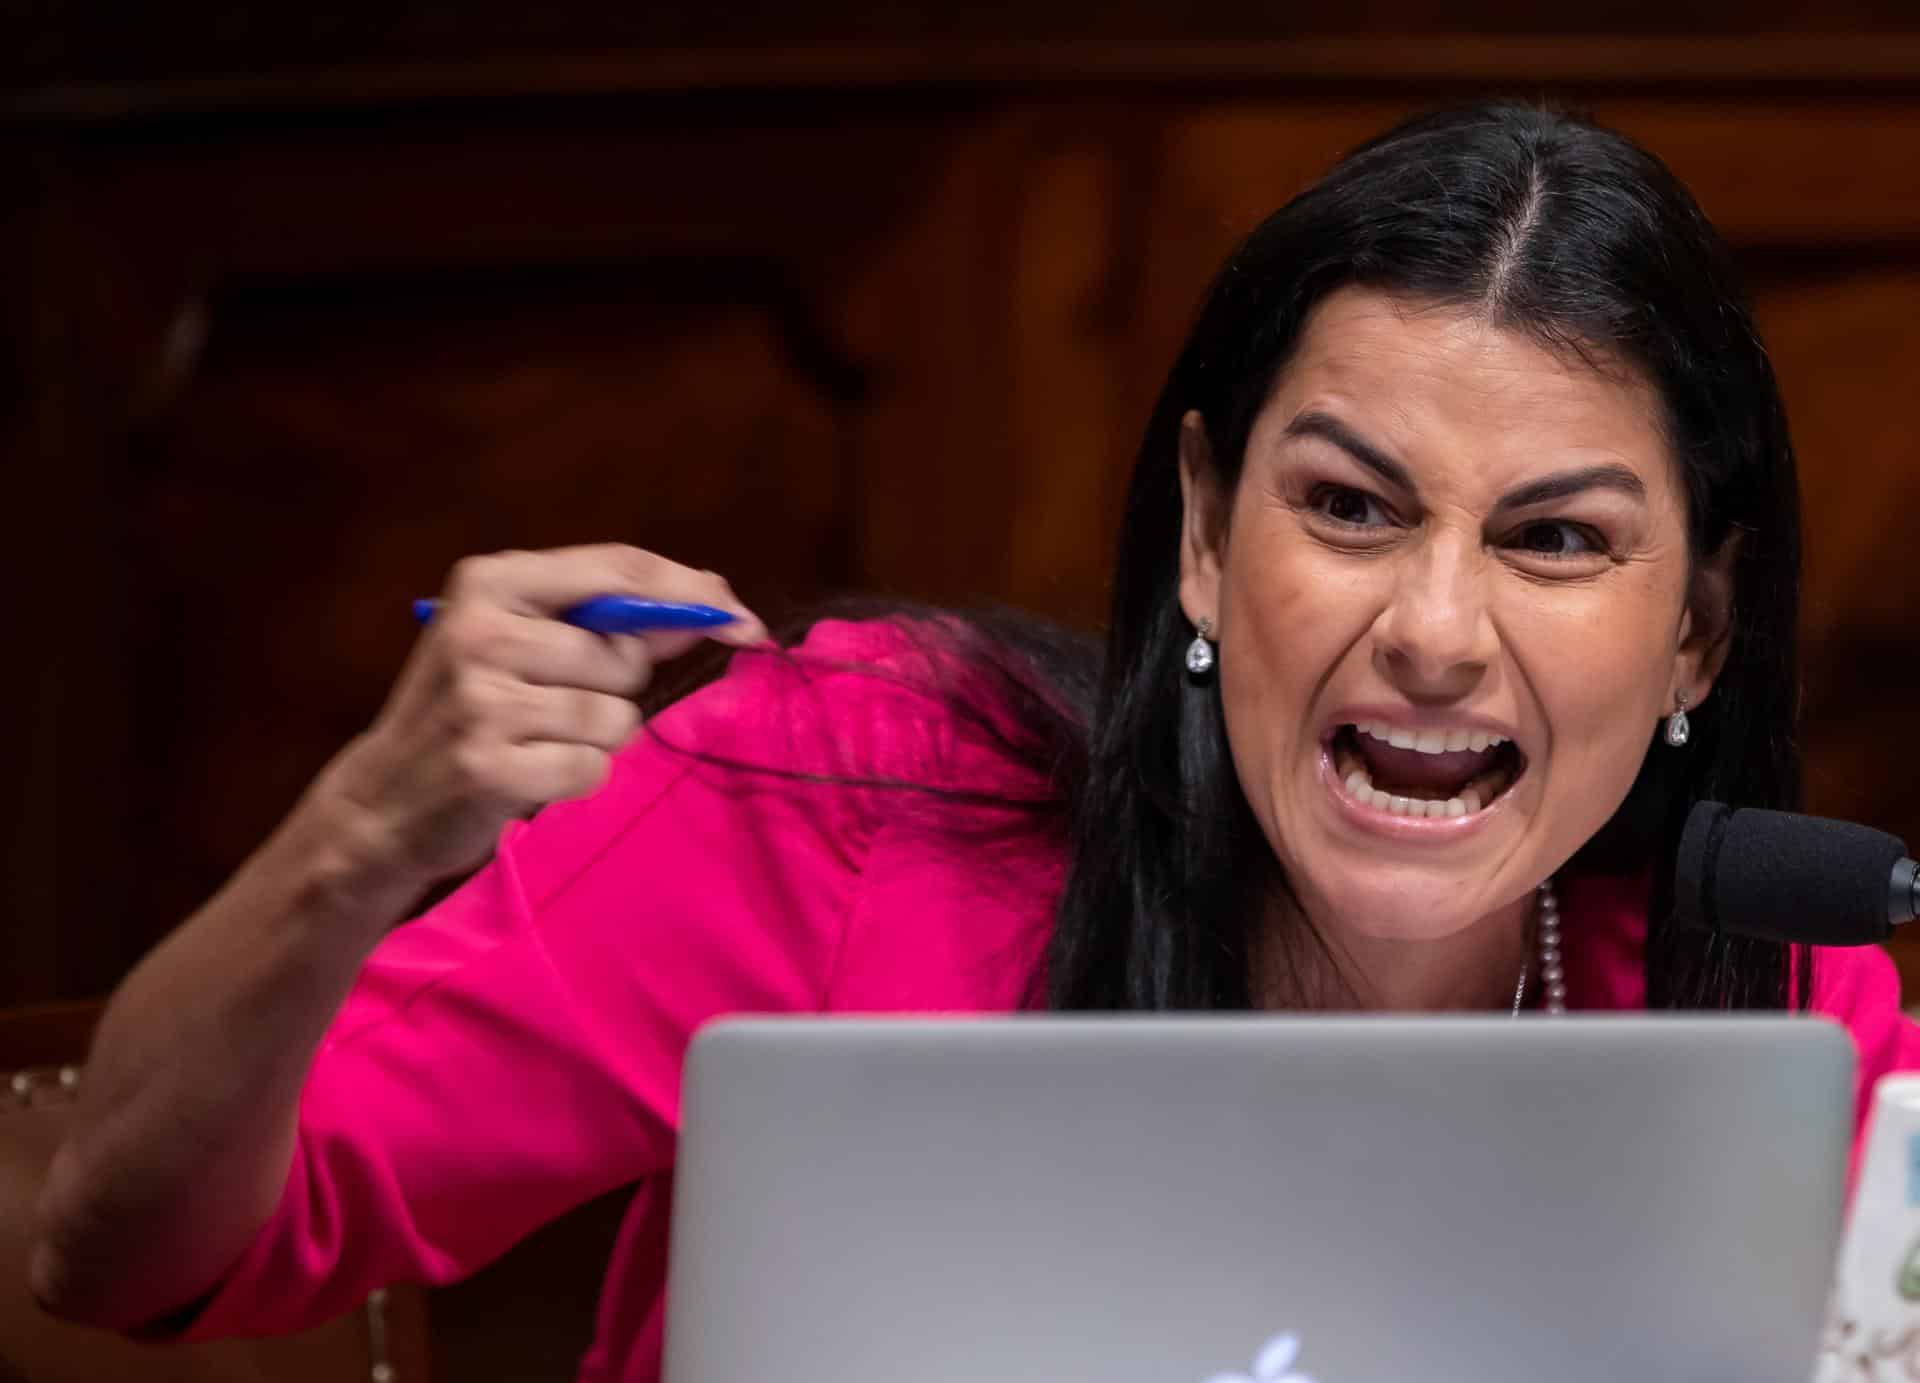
[(517, 1050), (1859, 987)]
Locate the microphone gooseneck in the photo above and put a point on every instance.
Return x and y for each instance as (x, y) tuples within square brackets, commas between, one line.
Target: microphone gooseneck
[(1786, 877)]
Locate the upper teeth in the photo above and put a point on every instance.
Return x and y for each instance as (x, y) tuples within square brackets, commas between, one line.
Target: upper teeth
[(1430, 741)]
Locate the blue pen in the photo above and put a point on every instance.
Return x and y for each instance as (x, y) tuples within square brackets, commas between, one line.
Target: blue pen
[(619, 614)]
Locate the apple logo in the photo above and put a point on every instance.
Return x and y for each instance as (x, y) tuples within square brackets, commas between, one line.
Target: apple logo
[(1273, 1364)]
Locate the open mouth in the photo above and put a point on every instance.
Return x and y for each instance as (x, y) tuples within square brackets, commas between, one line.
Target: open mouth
[(1429, 773)]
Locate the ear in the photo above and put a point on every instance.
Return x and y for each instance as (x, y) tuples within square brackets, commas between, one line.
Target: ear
[(1706, 625), (1203, 523)]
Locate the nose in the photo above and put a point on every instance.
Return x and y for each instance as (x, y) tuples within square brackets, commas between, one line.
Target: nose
[(1435, 640)]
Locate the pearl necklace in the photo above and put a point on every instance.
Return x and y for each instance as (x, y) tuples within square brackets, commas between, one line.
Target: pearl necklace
[(1551, 972)]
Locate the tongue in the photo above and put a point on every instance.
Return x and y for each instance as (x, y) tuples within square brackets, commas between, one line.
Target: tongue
[(1408, 768)]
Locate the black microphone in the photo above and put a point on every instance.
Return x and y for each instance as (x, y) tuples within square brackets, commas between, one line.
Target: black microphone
[(1794, 878)]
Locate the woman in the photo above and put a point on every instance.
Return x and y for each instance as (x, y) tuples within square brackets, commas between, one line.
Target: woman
[(1460, 559)]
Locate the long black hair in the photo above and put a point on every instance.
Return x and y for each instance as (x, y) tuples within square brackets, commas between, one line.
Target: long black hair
[(1544, 224)]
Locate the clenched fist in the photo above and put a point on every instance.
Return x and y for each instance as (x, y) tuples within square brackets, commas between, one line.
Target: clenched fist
[(502, 708)]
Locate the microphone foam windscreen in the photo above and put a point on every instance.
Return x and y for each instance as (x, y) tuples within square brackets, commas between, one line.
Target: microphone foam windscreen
[(1785, 877)]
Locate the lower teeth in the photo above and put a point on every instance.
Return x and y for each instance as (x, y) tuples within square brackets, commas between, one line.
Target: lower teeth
[(1466, 803)]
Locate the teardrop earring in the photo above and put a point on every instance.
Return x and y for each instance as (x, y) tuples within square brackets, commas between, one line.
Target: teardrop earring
[(1677, 727), (1200, 656)]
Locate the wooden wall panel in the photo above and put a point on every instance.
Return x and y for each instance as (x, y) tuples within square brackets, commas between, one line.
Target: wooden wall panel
[(927, 312), (1848, 357), (1081, 379)]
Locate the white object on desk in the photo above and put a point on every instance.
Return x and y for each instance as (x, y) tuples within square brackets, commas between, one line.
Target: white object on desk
[(1873, 1325)]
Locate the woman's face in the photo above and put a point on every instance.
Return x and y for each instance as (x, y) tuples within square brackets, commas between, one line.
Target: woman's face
[(1453, 599)]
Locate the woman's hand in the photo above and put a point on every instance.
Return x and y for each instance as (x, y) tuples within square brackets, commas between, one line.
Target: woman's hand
[(185, 1132), (503, 708)]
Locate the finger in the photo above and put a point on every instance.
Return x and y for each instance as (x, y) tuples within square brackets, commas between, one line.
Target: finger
[(746, 631), (567, 715), (664, 646), (546, 583), (545, 651), (747, 628), (548, 771)]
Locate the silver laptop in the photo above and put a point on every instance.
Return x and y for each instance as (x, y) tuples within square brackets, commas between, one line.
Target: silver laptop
[(1257, 1199)]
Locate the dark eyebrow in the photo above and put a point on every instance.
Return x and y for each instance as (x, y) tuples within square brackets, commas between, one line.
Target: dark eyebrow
[(1331, 429), (1611, 476)]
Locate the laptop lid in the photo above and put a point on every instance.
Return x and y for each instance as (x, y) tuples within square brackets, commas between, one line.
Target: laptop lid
[(1187, 1200)]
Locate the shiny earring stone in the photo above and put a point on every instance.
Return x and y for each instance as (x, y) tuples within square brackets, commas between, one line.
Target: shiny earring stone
[(1200, 657), (1677, 728)]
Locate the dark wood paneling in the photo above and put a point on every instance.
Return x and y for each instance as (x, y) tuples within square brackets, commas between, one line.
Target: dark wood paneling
[(127, 42), (77, 310), (1841, 336)]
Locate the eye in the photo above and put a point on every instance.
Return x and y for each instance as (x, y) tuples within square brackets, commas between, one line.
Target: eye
[(1557, 539), (1354, 508)]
